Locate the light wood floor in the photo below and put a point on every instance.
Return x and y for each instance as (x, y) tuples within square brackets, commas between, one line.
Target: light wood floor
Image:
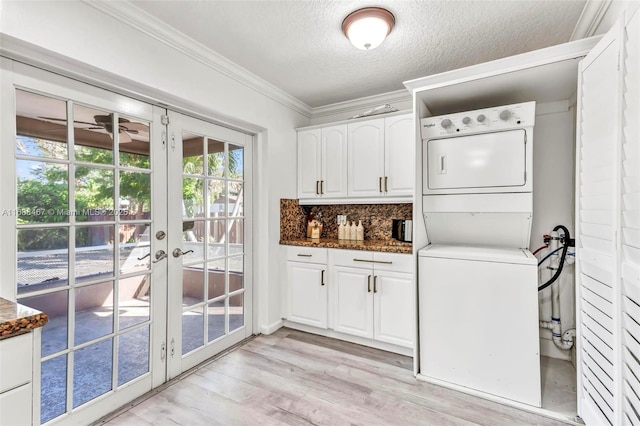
[(295, 378)]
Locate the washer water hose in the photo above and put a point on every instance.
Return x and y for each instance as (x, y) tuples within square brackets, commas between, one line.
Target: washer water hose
[(563, 256)]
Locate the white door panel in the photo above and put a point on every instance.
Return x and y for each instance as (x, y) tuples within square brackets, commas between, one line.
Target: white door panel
[(366, 158), (353, 304)]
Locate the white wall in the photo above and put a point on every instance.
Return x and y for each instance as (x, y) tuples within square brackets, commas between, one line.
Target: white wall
[(88, 39), (553, 204)]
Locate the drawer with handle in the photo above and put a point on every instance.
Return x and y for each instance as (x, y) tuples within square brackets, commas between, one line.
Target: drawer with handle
[(307, 254)]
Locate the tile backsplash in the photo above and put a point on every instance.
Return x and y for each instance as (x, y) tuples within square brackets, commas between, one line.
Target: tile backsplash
[(376, 218)]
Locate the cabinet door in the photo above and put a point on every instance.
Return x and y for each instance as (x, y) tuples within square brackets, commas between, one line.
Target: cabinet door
[(366, 158), (399, 157), (353, 305), (393, 308), (334, 161), (309, 156), (15, 406), (307, 293)]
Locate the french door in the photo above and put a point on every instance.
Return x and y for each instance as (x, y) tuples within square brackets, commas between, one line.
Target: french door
[(130, 230), (209, 232)]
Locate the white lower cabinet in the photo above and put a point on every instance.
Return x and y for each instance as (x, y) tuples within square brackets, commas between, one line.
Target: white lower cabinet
[(307, 286), (16, 369), (369, 295)]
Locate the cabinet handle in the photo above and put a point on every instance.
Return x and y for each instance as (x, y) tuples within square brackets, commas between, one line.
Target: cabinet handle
[(380, 183), (375, 284), (321, 187), (386, 180), (305, 255), (317, 186), (322, 277), (386, 262), (369, 284)]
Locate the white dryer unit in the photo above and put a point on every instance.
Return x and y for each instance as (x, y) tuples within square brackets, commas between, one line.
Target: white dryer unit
[(478, 298)]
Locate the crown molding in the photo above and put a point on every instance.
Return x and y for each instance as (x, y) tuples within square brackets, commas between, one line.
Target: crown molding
[(360, 104), (139, 19), (590, 18)]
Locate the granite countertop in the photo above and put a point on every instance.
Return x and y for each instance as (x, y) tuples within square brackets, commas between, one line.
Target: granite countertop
[(16, 319), (387, 246)]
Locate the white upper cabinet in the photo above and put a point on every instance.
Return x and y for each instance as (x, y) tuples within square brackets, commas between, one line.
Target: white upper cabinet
[(333, 179), (322, 162), (399, 156), (309, 163), (366, 158)]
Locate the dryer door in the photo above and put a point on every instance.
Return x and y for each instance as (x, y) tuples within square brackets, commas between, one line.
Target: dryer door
[(484, 161)]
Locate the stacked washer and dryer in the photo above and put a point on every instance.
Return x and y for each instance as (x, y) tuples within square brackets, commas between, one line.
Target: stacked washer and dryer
[(478, 282)]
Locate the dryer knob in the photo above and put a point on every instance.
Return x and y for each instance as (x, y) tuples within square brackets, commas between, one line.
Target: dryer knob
[(466, 120), (446, 123), (505, 115), (481, 118)]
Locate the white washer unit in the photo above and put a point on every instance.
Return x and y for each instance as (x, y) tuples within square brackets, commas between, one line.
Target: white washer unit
[(478, 303)]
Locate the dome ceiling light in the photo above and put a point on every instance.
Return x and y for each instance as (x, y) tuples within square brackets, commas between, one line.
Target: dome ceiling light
[(367, 28)]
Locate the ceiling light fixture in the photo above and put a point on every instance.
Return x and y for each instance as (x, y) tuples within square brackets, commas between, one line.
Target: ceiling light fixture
[(367, 28)]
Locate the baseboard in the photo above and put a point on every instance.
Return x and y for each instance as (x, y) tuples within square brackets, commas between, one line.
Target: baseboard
[(272, 328), (548, 348)]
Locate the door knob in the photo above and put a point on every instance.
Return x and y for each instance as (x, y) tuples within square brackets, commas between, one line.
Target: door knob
[(160, 254), (177, 252)]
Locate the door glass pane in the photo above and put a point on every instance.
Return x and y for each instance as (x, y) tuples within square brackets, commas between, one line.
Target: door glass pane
[(192, 330), (133, 354), (135, 196), (134, 143), (94, 252), (236, 162), (235, 197), (192, 197), (236, 312), (192, 285), (216, 270), (92, 371), (135, 248), (215, 158), (236, 273), (193, 154), (215, 319), (55, 305), (94, 312), (236, 236), (53, 379), (216, 245), (41, 126), (134, 297), (93, 135), (94, 194), (193, 239), (43, 259), (217, 198), (43, 192)]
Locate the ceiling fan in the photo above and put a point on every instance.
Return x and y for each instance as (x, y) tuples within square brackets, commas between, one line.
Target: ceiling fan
[(126, 128)]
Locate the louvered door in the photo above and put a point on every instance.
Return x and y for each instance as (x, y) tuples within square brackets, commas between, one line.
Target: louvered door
[(597, 222), (630, 223)]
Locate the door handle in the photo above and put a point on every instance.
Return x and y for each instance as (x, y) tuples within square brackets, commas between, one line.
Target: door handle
[(369, 284), (386, 181), (317, 186), (322, 277), (160, 254), (321, 187), (380, 183), (375, 284), (177, 252)]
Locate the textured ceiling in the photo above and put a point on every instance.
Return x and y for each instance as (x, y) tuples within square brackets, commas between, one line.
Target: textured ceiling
[(298, 45)]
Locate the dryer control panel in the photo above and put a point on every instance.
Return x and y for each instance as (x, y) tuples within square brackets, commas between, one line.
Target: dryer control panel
[(479, 121)]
